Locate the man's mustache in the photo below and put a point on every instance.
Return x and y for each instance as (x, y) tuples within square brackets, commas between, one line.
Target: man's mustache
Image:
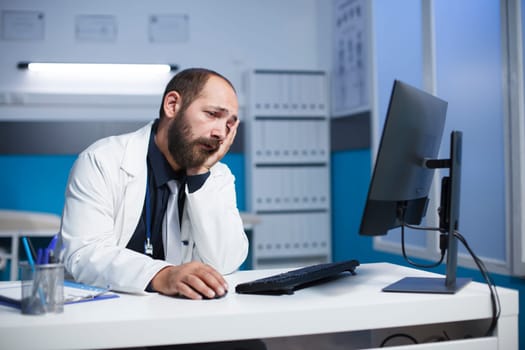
[(211, 143)]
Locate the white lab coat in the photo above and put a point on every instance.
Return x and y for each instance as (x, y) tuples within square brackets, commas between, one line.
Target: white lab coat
[(104, 200)]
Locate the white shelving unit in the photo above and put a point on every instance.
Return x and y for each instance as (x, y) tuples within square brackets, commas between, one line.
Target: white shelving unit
[(288, 167)]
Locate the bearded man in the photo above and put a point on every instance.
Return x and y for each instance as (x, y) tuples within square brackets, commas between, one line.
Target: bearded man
[(155, 209)]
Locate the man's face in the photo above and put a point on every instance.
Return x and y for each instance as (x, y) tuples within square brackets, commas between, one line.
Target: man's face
[(187, 150), (197, 132)]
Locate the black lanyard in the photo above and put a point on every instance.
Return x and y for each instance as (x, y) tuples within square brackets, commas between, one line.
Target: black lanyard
[(148, 247)]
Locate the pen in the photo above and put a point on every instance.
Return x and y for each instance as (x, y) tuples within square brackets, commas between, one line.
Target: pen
[(53, 242), (32, 265), (28, 253), (57, 246), (47, 256), (31, 247), (39, 256)]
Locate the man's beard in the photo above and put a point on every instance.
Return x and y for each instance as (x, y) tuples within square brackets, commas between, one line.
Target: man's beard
[(186, 152)]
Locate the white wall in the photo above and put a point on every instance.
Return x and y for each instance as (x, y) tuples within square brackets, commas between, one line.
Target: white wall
[(230, 36)]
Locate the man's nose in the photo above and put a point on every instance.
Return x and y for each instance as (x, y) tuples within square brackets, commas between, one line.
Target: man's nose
[(219, 130)]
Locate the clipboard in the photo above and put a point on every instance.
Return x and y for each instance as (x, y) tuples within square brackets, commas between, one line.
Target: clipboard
[(10, 293)]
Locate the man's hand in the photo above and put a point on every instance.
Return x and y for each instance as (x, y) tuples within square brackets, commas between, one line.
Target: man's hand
[(221, 152), (193, 280)]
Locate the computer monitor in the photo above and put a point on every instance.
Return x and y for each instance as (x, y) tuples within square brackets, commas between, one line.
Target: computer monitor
[(398, 194)]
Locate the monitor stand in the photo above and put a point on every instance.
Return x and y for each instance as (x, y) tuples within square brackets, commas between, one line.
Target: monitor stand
[(449, 218), (434, 285)]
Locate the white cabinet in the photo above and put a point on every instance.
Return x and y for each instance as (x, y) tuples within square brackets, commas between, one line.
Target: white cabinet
[(288, 167)]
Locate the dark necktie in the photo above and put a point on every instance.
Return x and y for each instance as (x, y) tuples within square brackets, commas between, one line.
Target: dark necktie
[(171, 228)]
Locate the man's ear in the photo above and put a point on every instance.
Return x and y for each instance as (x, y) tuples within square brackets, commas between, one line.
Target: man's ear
[(172, 104)]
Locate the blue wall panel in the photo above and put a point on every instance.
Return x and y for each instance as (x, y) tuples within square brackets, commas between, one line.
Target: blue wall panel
[(350, 177), (34, 183)]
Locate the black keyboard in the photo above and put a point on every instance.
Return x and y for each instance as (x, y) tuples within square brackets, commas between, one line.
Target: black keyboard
[(288, 282)]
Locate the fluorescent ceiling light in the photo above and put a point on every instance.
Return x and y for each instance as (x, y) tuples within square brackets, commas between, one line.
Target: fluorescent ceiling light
[(97, 68)]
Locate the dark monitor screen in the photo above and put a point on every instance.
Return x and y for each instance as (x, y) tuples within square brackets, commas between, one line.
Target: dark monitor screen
[(412, 133), (403, 172)]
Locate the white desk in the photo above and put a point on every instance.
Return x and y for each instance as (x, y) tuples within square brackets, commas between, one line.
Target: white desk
[(352, 303)]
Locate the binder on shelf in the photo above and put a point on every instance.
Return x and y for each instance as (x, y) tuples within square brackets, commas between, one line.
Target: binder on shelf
[(288, 166)]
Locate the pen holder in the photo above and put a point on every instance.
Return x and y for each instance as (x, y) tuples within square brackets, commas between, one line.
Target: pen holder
[(42, 288)]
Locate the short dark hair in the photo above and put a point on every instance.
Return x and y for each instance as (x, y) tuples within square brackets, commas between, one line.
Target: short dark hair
[(189, 84)]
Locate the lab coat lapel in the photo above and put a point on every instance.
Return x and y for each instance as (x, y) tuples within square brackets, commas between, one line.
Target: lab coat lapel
[(134, 176)]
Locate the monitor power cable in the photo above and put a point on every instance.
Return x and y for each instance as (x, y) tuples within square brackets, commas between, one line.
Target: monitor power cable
[(494, 298), (443, 243)]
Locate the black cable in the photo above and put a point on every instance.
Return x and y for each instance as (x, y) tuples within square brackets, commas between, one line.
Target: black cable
[(494, 297), (405, 256), (401, 215), (422, 228), (398, 335), (437, 338)]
